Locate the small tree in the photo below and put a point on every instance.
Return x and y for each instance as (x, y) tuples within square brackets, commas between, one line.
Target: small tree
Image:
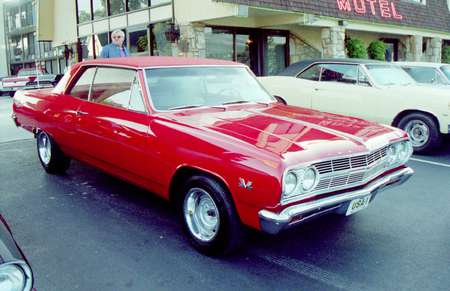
[(355, 49), (377, 50), (446, 54)]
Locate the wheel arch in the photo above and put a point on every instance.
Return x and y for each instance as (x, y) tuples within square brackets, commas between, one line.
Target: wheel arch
[(404, 113), (183, 172)]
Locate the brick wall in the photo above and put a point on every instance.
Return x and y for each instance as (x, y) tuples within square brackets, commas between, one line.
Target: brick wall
[(434, 15)]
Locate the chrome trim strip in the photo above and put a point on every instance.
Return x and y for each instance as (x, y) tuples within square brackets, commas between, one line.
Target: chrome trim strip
[(275, 222)]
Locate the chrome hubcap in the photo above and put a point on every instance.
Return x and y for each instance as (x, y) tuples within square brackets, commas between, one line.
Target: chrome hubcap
[(418, 132), (201, 214), (44, 148)]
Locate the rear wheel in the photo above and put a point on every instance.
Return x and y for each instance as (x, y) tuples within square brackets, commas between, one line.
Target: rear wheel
[(209, 217), (51, 157), (423, 132)]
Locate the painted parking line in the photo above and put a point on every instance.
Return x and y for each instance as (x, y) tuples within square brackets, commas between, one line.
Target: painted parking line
[(431, 163)]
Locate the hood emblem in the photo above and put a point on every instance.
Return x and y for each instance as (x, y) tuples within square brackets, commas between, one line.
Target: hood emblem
[(246, 185)]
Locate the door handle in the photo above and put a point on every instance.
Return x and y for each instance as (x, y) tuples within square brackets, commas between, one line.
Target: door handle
[(80, 113), (316, 89)]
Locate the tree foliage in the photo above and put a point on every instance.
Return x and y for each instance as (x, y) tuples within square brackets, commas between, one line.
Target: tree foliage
[(446, 54), (377, 50), (355, 49)]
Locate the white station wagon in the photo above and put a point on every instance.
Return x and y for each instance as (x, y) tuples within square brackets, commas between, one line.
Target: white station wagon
[(371, 90)]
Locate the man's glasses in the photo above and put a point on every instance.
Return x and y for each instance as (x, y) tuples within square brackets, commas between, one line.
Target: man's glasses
[(116, 37)]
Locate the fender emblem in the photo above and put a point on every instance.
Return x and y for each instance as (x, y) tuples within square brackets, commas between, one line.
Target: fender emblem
[(246, 185)]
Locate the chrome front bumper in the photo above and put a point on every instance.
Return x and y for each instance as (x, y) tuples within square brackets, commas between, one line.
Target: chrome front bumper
[(273, 223)]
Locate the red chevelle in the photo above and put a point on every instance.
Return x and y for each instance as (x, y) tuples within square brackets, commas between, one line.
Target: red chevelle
[(206, 135)]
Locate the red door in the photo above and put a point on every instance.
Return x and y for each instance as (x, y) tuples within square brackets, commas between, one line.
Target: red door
[(113, 127)]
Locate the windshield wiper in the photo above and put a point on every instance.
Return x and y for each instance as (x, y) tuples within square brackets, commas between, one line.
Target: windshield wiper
[(235, 102), (184, 107)]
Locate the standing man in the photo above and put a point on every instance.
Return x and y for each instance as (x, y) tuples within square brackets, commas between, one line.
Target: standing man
[(116, 48)]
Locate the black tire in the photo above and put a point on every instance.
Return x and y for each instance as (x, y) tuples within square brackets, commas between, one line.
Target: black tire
[(54, 161), (230, 233), (434, 137), (11, 93)]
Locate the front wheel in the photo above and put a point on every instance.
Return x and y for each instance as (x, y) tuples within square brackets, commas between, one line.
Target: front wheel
[(52, 159), (209, 217), (423, 132)]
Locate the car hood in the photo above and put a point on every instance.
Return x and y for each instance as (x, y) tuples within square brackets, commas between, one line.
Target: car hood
[(288, 130)]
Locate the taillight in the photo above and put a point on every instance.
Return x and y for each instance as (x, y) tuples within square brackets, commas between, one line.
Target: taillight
[(31, 78)]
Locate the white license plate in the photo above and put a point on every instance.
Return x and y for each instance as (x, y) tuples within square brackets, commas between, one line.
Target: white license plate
[(358, 204)]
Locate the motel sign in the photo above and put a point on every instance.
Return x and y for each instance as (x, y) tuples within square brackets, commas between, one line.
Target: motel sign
[(383, 8)]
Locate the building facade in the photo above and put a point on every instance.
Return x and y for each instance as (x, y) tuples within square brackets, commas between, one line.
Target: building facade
[(267, 35), (21, 43)]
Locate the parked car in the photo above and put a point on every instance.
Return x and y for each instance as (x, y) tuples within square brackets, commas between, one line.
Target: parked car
[(376, 91), (15, 272), (207, 136), (29, 78), (436, 74)]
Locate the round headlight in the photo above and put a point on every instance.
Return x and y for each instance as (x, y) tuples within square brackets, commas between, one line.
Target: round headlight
[(12, 278), (290, 183), (392, 154), (405, 150), (309, 179)]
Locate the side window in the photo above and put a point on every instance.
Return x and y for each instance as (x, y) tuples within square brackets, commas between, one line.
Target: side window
[(112, 86), (312, 73), (339, 73), (363, 80), (136, 101), (82, 87)]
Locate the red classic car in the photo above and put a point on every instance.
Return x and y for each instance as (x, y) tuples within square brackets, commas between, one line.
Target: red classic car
[(206, 135)]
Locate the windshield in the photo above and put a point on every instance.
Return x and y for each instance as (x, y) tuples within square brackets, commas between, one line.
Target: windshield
[(387, 75), (446, 70), (188, 87), (425, 75)]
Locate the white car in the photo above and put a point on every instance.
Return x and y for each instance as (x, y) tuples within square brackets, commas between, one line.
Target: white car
[(428, 73), (371, 90)]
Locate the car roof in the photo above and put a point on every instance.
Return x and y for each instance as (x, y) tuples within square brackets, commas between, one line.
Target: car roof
[(421, 64), (150, 61), (296, 68)]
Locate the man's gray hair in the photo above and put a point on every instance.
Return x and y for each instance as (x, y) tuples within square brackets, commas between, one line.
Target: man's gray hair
[(118, 31)]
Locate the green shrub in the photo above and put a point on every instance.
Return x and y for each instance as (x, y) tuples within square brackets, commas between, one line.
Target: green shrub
[(446, 54), (377, 50), (355, 49)]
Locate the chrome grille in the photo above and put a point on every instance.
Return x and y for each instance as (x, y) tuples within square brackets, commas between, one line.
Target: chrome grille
[(339, 173), (350, 163)]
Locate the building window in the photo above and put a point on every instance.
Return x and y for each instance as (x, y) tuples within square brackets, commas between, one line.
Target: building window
[(160, 46), (26, 15), (137, 4), (16, 48), (138, 42), (116, 7), (99, 8), (274, 55), (159, 2), (219, 45), (84, 11), (87, 49)]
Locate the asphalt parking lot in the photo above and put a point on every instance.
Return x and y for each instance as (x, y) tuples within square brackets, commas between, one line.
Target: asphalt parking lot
[(89, 231)]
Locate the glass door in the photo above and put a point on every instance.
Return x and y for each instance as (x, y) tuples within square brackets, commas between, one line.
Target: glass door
[(275, 59)]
